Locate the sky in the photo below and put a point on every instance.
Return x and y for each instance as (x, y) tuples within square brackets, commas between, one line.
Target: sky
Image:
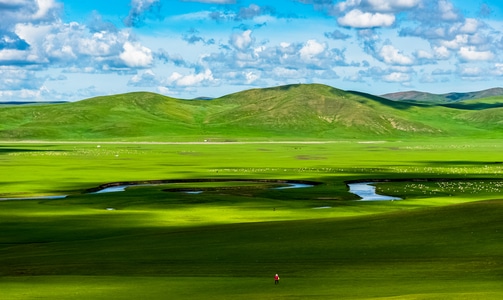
[(69, 50)]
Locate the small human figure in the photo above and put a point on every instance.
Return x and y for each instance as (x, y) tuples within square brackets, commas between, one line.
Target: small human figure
[(276, 279)]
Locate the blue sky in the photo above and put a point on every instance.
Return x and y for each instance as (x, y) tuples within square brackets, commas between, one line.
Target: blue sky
[(73, 49)]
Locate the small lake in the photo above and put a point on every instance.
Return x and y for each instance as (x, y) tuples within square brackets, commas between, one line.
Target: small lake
[(367, 192)]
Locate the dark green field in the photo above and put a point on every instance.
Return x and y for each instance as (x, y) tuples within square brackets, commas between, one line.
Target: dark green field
[(442, 241)]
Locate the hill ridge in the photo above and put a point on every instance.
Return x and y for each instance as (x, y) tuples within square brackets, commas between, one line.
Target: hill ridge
[(298, 111), (443, 98)]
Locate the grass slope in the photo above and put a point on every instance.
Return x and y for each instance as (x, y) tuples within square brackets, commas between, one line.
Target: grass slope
[(294, 111), (110, 117), (316, 111), (443, 98)]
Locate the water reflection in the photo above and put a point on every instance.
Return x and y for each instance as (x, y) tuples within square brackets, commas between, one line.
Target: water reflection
[(367, 192)]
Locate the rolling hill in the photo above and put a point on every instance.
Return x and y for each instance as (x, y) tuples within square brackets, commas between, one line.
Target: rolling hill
[(442, 98), (303, 111)]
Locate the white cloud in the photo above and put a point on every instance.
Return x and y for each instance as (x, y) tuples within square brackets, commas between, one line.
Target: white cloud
[(470, 26), (8, 56), (455, 43), (135, 55), (396, 77), (164, 90), (447, 11), (422, 54), (311, 49), (242, 41), (251, 77), (146, 79), (441, 52), (73, 46), (472, 54), (391, 55), (498, 69), (45, 9), (359, 19), (177, 79), (97, 44), (471, 71), (28, 11)]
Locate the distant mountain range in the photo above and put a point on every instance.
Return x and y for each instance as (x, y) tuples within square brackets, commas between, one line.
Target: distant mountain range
[(442, 98), (29, 102), (290, 112)]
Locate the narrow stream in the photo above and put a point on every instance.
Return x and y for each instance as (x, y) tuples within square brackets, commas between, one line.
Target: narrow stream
[(367, 192)]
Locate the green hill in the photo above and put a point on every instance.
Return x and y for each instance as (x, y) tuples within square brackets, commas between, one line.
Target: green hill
[(303, 111), (442, 98)]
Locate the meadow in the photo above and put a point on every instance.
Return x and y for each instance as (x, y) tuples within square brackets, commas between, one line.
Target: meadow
[(442, 241)]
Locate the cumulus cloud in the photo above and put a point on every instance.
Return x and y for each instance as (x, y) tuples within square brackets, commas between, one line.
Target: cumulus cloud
[(145, 79), (396, 77), (33, 38), (399, 74), (28, 11), (190, 80), (136, 55), (472, 54), (266, 63), (359, 19), (74, 45), (497, 69), (390, 55), (311, 49), (242, 41), (447, 11)]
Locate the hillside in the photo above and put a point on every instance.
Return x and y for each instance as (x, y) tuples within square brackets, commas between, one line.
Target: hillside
[(306, 111), (442, 98)]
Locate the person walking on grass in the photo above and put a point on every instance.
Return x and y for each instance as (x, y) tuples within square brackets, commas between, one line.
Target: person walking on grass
[(276, 279)]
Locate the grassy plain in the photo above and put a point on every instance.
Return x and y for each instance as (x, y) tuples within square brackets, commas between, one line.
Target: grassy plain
[(443, 241)]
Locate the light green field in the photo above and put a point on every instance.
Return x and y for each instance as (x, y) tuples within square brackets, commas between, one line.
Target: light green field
[(443, 241)]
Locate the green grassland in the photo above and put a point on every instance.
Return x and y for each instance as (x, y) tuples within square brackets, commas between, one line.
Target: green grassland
[(443, 241)]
